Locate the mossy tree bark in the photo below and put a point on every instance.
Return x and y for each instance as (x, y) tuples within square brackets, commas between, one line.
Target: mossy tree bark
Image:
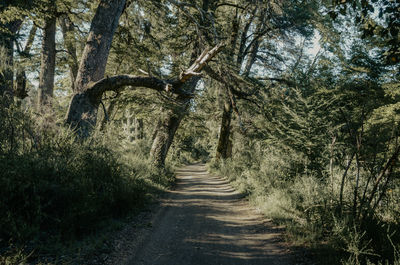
[(7, 51), (167, 126), (82, 112), (47, 64), (225, 131), (67, 28), (21, 89)]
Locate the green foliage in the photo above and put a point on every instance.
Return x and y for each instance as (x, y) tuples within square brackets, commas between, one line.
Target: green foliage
[(377, 20), (321, 162), (53, 186), (307, 206)]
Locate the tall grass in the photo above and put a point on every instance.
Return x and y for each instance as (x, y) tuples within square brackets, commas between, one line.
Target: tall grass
[(55, 186), (309, 207)]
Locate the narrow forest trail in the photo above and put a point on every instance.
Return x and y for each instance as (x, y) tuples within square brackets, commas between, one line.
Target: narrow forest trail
[(205, 222)]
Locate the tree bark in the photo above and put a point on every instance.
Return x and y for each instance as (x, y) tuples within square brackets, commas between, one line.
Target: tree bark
[(7, 48), (21, 90), (167, 126), (165, 133), (82, 112), (97, 48), (47, 64), (67, 28), (223, 141)]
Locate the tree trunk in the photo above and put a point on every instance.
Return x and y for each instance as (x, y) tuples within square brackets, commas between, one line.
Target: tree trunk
[(139, 129), (224, 147), (224, 143), (98, 44), (67, 28), (47, 64), (90, 84), (167, 126), (21, 90), (225, 131), (165, 133), (7, 52), (82, 113)]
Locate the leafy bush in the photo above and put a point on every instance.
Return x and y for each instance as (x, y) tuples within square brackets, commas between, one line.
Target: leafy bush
[(51, 184), (308, 206)]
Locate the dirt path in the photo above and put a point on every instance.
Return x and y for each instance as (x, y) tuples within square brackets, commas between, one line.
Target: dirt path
[(204, 222)]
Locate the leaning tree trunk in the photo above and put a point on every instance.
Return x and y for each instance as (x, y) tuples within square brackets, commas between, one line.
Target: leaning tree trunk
[(224, 147), (167, 126), (225, 131), (165, 131), (47, 64), (82, 112), (224, 142)]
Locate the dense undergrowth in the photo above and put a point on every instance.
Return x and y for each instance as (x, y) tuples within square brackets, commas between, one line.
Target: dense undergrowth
[(309, 207), (55, 190)]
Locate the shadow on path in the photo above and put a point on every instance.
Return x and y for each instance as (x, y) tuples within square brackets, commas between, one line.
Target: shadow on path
[(205, 222)]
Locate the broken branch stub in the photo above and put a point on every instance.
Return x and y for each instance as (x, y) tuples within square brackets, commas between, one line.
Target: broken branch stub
[(201, 61)]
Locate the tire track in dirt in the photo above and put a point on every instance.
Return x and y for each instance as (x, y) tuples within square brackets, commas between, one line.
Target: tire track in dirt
[(205, 221)]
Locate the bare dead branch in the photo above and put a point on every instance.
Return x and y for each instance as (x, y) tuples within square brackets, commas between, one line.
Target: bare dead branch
[(143, 72), (200, 62)]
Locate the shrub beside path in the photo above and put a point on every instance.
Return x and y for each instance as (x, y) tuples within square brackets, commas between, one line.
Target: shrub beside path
[(204, 221)]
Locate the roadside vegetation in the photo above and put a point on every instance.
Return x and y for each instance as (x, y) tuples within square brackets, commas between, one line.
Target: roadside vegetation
[(60, 196), (326, 168)]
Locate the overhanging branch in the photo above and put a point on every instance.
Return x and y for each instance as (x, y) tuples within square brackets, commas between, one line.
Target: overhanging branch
[(117, 83)]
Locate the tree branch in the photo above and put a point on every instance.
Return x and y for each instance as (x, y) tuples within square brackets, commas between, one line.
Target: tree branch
[(117, 83), (200, 62), (219, 78)]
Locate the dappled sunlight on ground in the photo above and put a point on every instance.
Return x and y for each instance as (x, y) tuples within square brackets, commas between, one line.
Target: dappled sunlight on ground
[(205, 221)]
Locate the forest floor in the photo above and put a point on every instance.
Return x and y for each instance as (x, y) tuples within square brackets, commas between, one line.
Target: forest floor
[(203, 220)]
